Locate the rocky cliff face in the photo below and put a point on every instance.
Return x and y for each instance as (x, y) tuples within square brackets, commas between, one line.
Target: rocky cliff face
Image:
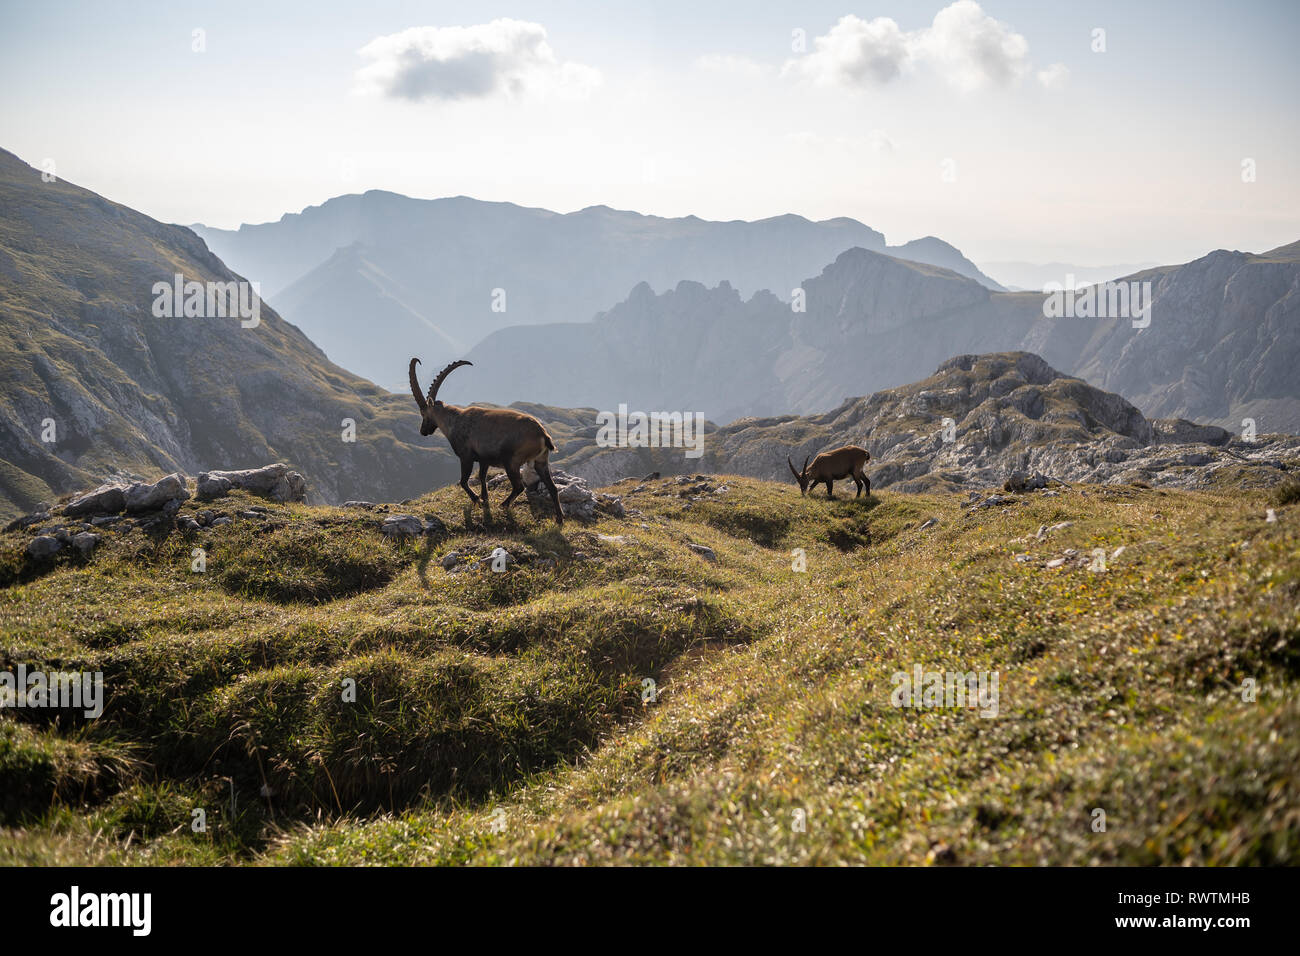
[(702, 348), (1223, 343), (867, 321)]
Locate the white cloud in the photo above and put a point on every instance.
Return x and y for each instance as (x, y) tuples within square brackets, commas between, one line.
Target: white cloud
[(855, 52), (503, 58), (964, 45), (1054, 77), (970, 49), (727, 63)]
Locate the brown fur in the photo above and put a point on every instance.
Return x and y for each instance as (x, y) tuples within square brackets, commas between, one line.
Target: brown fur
[(490, 437), (847, 461)]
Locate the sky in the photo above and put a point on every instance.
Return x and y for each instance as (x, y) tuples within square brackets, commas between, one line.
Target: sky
[(1014, 130)]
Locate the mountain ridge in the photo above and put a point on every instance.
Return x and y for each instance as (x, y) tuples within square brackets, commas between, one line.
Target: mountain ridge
[(1220, 347), (471, 267)]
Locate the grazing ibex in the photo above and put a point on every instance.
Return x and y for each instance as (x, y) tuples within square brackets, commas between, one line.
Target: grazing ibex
[(493, 437), (847, 461)]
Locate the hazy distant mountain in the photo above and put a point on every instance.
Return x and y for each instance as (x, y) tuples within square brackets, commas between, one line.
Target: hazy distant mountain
[(710, 350), (396, 266), (930, 250), (1032, 276), (1222, 345), (363, 317)]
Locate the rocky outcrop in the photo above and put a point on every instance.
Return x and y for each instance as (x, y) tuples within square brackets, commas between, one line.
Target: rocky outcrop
[(1004, 419), (106, 499), (276, 482), (134, 498), (103, 506), (142, 496), (576, 497), (1179, 431)]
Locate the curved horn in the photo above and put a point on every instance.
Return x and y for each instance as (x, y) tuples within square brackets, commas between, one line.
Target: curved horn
[(415, 386), (791, 464), (805, 464), (437, 382)]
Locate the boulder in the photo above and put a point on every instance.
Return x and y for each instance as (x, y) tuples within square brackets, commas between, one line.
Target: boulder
[(210, 485), (707, 554), (142, 496), (44, 546), (1020, 481), (108, 498), (276, 482), (576, 499), (402, 526), (85, 542)]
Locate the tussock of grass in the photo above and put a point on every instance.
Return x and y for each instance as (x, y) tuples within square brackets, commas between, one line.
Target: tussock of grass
[(301, 564), (37, 769), (1285, 494)]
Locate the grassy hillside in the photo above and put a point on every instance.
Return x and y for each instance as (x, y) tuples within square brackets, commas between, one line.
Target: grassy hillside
[(499, 717)]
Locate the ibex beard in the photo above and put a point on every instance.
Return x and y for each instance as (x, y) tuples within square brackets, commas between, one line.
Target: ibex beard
[(491, 437)]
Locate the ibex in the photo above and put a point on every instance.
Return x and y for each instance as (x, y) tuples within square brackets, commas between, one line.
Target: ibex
[(847, 461), (493, 437)]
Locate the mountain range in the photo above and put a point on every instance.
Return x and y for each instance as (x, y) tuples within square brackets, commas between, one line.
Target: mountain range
[(440, 275), (1220, 347), (712, 323)]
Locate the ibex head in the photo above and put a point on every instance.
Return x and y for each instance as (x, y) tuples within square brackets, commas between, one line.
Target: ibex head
[(799, 476), (430, 405)]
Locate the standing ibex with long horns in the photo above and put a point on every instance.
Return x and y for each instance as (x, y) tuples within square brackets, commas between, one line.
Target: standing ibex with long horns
[(493, 437), (847, 461)]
